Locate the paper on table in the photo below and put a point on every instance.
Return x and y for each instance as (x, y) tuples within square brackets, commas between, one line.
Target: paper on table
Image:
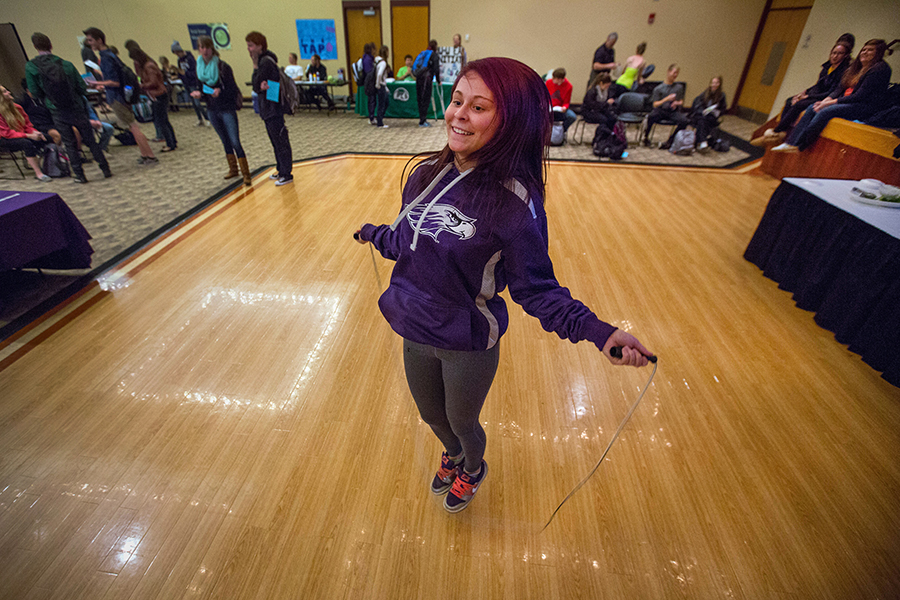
[(272, 92)]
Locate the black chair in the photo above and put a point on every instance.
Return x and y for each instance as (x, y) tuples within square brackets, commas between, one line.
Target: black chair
[(15, 157), (632, 108)]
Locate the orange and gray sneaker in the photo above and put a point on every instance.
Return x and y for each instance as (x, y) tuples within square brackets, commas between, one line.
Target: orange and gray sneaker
[(446, 474), (464, 489)]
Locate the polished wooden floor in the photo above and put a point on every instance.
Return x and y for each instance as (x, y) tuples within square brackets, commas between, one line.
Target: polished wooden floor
[(225, 416)]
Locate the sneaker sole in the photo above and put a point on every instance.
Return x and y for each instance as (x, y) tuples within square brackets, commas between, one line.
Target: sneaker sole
[(442, 491), (459, 507)]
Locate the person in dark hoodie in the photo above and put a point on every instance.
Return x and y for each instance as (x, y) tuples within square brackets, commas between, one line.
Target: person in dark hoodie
[(829, 78), (473, 223), (861, 93), (57, 83), (425, 75), (265, 69)]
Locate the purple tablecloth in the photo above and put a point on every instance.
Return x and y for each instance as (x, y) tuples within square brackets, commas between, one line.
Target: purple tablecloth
[(38, 230)]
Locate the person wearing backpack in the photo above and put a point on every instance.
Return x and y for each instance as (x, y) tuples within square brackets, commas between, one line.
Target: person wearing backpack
[(223, 98), (426, 66), (368, 69), (57, 83), (379, 77), (116, 77), (265, 69)]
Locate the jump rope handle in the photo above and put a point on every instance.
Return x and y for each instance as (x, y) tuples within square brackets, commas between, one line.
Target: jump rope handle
[(356, 236), (616, 352)]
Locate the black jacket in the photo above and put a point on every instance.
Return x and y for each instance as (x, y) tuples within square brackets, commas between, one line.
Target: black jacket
[(870, 91), (267, 70), (827, 82), (228, 90), (592, 107)]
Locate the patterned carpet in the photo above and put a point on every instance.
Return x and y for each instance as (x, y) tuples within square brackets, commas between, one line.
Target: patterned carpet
[(124, 210)]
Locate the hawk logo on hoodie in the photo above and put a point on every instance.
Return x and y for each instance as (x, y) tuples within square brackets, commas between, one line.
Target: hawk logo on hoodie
[(442, 217)]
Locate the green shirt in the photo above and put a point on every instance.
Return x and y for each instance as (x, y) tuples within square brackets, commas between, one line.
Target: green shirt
[(36, 81), (404, 72)]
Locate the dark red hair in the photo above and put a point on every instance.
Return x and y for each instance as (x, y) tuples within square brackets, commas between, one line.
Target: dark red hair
[(518, 148)]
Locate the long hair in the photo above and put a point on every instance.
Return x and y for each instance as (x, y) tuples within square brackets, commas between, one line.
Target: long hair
[(855, 71), (140, 58), (204, 41), (709, 95), (519, 146), (11, 114)]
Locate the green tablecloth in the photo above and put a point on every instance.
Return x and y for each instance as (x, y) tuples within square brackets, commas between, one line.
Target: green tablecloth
[(403, 100)]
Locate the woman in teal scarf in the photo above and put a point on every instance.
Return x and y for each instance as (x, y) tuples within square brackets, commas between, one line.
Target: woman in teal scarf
[(223, 100)]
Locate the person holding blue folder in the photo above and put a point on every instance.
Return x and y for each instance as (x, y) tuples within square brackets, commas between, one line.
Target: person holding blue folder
[(266, 85), (223, 99)]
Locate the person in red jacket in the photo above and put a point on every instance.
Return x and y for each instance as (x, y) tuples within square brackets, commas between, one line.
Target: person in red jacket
[(18, 134), (561, 96)]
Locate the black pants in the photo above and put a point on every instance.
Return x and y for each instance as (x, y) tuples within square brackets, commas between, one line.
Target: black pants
[(372, 103), (601, 117), (29, 147), (160, 108), (278, 135), (65, 121), (666, 114), (790, 114), (320, 91), (423, 97), (704, 124)]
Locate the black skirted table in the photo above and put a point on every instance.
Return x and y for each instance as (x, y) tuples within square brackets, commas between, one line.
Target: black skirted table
[(38, 230), (841, 259)]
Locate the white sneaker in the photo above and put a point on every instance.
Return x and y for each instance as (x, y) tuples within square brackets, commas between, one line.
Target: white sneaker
[(785, 148), (383, 127), (284, 180), (703, 146), (274, 175)]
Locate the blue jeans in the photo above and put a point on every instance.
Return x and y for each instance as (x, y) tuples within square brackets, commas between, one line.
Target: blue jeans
[(383, 98), (225, 122), (160, 108), (812, 123), (106, 133)]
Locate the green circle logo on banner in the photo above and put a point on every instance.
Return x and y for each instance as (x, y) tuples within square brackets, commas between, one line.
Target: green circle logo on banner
[(221, 37)]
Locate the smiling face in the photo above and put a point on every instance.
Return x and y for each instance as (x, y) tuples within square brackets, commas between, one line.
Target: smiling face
[(867, 55), (6, 93), (471, 118)]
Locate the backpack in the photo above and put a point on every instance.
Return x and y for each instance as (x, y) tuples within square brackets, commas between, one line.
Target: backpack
[(142, 109), (131, 86), (683, 144), (53, 164), (421, 62), (607, 143), (720, 145), (288, 96), (371, 78), (57, 85), (357, 71), (557, 134)]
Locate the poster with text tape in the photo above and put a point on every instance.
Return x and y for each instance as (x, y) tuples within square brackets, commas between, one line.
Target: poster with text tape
[(317, 36)]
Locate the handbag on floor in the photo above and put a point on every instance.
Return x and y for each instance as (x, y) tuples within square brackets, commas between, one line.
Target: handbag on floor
[(53, 164)]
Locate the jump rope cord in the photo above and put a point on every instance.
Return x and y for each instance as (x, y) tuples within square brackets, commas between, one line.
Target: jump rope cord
[(375, 265), (611, 442)]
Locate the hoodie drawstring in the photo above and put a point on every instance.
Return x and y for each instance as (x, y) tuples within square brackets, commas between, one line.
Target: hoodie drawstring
[(421, 196)]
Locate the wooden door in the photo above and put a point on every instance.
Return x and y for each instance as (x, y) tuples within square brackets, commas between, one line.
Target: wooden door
[(409, 29), (773, 52), (362, 24)]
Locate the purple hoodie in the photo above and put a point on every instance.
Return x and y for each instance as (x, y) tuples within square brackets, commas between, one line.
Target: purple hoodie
[(454, 256)]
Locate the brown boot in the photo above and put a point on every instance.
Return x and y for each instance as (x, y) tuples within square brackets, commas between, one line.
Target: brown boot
[(245, 170), (232, 167)]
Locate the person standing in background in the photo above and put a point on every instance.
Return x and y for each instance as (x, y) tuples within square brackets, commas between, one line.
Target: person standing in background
[(187, 68), (457, 43), (604, 57), (425, 75), (111, 68), (59, 86), (265, 69), (154, 86)]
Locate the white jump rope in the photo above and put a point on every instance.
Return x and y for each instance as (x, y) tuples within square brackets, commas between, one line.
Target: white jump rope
[(615, 352)]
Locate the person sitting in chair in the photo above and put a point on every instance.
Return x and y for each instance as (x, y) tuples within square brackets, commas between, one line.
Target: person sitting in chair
[(599, 104), (667, 99), (706, 110), (561, 96), (316, 71)]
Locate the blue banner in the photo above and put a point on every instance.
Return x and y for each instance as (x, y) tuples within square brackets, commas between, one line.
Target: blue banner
[(317, 36)]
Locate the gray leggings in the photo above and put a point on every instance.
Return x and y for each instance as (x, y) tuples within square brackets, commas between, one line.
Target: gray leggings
[(449, 388)]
